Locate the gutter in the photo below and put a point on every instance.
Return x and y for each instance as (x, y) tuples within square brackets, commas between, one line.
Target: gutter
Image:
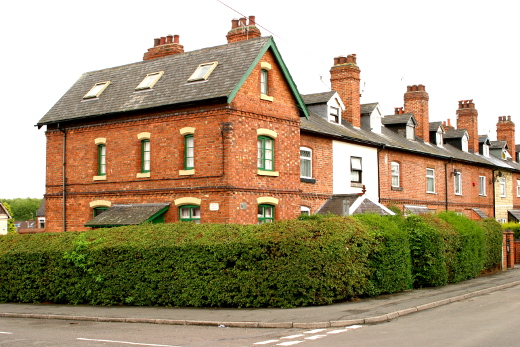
[(446, 181), (379, 174)]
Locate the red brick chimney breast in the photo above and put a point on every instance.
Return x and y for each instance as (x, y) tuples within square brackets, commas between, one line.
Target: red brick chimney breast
[(506, 132), (416, 101), (241, 30), (344, 79), (467, 118), (163, 47)]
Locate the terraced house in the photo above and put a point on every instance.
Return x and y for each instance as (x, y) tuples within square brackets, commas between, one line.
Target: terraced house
[(222, 135)]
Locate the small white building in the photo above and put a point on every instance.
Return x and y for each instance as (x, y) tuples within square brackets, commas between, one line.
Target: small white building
[(4, 216)]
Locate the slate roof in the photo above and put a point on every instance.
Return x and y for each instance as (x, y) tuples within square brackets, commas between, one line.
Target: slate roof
[(434, 126), (416, 209), (235, 62), (480, 213), (119, 215), (318, 98), (455, 133), (514, 213), (41, 210), (397, 119), (499, 144), (368, 108), (355, 203)]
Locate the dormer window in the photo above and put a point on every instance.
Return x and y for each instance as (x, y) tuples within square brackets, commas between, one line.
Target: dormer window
[(438, 138), (464, 143), (410, 132), (96, 90), (203, 71), (505, 154), (334, 115), (485, 150), (150, 80)]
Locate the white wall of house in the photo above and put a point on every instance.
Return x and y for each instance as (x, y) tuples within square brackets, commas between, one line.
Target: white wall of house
[(3, 224), (341, 154)]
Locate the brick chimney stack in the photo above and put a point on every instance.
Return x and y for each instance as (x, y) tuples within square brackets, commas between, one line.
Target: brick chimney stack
[(344, 79), (163, 47), (506, 132), (467, 118), (241, 30), (416, 102)]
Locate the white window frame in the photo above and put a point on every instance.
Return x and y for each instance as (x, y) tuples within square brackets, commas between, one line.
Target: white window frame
[(485, 150), (482, 185), (410, 132), (518, 187), (203, 71), (457, 180), (503, 191), (150, 80), (305, 210), (303, 159), (334, 115), (356, 168), (395, 174), (438, 138), (430, 175), (464, 144), (96, 91)]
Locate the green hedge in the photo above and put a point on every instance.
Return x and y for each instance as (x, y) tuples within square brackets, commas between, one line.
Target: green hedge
[(315, 261), (515, 227)]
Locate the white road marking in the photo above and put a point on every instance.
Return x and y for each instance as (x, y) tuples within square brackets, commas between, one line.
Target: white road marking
[(265, 342), (289, 343), (353, 327), (292, 336), (337, 331), (314, 331), (315, 337), (126, 342), (5, 332)]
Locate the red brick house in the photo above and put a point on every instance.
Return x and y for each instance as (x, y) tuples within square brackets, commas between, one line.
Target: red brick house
[(208, 136), (222, 135)]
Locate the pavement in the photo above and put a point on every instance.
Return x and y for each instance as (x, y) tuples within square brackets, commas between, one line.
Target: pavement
[(363, 311)]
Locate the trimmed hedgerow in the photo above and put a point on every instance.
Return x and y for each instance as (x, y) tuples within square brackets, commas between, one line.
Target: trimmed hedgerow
[(313, 261), (390, 259)]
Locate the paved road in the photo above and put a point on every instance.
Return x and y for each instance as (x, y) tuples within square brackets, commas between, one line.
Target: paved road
[(487, 320)]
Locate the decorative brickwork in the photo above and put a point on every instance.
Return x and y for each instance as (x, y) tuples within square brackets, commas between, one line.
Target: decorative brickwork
[(241, 30), (163, 47)]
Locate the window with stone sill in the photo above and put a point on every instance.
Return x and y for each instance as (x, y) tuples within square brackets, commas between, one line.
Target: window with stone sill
[(430, 181)]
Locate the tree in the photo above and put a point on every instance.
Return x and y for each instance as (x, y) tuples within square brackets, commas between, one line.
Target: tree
[(23, 209)]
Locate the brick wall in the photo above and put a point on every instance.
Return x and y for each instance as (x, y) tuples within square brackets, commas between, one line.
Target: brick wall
[(225, 140), (412, 188)]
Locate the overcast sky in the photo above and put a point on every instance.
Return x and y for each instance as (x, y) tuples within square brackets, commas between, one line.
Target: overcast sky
[(458, 49)]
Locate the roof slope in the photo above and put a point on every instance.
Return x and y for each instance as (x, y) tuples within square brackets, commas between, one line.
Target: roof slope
[(235, 62), (118, 215)]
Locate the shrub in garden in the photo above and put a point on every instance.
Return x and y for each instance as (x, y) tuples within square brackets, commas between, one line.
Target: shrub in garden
[(390, 259)]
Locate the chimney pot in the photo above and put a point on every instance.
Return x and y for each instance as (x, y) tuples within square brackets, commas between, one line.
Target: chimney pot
[(163, 40), (234, 23), (169, 38), (252, 20), (409, 88), (421, 88), (509, 118), (243, 21), (175, 38), (336, 60), (156, 42)]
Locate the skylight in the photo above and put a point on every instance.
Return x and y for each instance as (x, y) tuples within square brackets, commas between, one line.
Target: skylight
[(96, 90), (203, 71), (150, 80)]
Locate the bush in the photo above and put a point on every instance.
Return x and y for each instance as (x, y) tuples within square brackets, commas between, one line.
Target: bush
[(515, 227), (390, 259), (314, 261)]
